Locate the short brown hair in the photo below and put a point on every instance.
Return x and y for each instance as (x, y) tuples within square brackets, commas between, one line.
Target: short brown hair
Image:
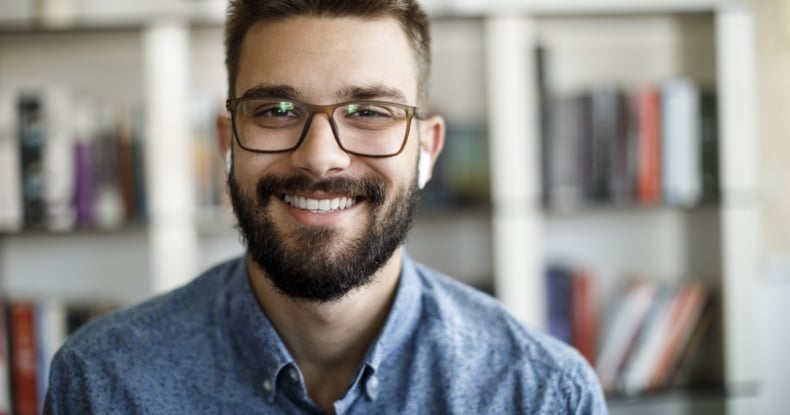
[(243, 14)]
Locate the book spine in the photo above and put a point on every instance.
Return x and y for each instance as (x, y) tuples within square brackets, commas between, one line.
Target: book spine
[(685, 317), (5, 365), (584, 307), (709, 137), (24, 364), (85, 175), (565, 189), (559, 306), (50, 329), (681, 143), (628, 318), (58, 159), (31, 146), (108, 200), (649, 165)]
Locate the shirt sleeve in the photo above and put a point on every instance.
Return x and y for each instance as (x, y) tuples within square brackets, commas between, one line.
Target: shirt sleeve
[(586, 395), (68, 391)]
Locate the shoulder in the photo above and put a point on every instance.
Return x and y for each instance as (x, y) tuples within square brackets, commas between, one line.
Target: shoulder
[(163, 320), (479, 336), (465, 313)]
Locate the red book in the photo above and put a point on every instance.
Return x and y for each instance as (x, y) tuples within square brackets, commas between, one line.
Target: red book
[(648, 186), (24, 363), (584, 326)]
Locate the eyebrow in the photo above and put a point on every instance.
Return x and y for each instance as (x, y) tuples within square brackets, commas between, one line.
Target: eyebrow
[(371, 92), (273, 91), (367, 92)]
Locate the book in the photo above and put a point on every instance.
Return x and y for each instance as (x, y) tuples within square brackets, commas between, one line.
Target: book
[(563, 152), (108, 203), (24, 363), (57, 158), (31, 162), (681, 142), (604, 135), (648, 188), (709, 143), (85, 174), (558, 287), (584, 310), (685, 317), (5, 368), (634, 376), (50, 329), (626, 320)]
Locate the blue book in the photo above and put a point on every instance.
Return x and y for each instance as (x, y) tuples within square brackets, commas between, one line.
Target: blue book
[(558, 290)]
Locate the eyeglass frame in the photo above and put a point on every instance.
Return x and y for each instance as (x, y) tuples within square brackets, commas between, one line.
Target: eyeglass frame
[(412, 112)]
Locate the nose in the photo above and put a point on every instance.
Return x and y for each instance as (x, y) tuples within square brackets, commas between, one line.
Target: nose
[(319, 155)]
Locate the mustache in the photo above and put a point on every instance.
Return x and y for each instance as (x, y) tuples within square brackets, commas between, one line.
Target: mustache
[(372, 189)]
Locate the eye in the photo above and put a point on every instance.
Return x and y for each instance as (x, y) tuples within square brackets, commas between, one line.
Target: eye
[(272, 109), (364, 110), (273, 113)]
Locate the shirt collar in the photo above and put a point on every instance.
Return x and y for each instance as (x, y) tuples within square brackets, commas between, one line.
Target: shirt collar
[(260, 346), (264, 352)]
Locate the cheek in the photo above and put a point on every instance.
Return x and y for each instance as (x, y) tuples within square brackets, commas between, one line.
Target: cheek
[(250, 167)]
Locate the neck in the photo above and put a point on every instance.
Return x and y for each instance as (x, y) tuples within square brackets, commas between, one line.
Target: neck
[(329, 340)]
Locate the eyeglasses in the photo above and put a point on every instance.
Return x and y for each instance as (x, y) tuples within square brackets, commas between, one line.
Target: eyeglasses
[(364, 128)]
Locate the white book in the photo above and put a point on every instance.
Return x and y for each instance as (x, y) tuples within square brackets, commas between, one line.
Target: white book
[(625, 325), (681, 165), (58, 103), (11, 219), (51, 333)]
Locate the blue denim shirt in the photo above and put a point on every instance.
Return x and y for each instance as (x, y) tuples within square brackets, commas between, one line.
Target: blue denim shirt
[(207, 348)]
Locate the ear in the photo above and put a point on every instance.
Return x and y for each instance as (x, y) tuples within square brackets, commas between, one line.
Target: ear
[(431, 141), (224, 134)]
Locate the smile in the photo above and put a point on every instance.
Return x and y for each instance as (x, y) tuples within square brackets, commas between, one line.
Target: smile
[(319, 205)]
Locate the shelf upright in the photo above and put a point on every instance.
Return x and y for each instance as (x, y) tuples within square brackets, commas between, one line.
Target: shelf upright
[(740, 209), (172, 235), (514, 152)]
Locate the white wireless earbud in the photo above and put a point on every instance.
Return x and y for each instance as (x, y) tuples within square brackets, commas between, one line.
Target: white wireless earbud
[(423, 168), (228, 160)]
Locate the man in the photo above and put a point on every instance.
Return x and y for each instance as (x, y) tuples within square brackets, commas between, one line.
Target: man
[(327, 144)]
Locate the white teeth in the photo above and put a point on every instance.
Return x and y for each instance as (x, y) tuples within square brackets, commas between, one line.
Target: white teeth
[(319, 205)]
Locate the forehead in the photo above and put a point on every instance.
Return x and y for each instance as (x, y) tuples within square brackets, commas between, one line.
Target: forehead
[(321, 57)]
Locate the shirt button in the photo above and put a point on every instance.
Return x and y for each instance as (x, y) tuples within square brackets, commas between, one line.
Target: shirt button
[(267, 386), (293, 374), (373, 384)]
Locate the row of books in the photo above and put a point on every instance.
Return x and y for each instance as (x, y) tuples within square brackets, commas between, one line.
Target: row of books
[(655, 330), (68, 160), (30, 334), (650, 334), (461, 177), (655, 145)]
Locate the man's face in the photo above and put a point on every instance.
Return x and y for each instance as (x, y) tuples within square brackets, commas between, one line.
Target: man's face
[(319, 221)]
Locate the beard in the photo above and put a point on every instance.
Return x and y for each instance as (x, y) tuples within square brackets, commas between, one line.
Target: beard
[(310, 263)]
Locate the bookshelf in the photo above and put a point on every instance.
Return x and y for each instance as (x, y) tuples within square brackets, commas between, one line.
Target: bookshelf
[(511, 236), (631, 43)]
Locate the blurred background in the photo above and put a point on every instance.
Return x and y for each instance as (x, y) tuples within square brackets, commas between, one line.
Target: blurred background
[(615, 172)]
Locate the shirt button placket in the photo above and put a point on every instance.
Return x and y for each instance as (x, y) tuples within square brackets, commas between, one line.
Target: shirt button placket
[(268, 388)]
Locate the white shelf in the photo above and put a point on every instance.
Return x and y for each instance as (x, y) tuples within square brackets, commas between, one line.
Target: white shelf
[(512, 244), (565, 7)]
